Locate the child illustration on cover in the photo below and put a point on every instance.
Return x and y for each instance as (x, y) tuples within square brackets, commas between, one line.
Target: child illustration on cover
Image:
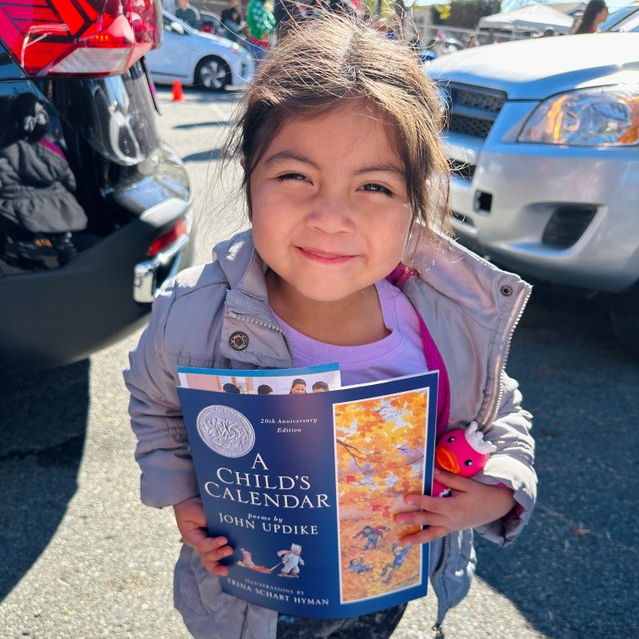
[(358, 566), (247, 558), (291, 560), (348, 259), (399, 555), (372, 535), (298, 387)]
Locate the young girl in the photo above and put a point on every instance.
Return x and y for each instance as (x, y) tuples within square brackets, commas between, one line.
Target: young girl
[(346, 261)]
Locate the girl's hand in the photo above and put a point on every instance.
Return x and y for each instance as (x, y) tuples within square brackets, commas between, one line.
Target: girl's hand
[(191, 521), (471, 504)]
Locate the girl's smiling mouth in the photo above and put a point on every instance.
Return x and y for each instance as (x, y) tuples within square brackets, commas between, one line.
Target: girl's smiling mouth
[(324, 257)]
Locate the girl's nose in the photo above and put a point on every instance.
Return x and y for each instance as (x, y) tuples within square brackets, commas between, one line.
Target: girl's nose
[(330, 213)]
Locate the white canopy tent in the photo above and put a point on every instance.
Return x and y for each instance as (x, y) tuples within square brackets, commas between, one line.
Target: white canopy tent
[(534, 17)]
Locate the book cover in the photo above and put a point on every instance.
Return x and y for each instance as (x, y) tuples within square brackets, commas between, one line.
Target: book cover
[(305, 487)]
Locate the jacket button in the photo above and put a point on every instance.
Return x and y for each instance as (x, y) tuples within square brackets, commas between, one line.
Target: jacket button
[(507, 291), (239, 341)]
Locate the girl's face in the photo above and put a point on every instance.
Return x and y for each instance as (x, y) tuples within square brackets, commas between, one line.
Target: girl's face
[(329, 206)]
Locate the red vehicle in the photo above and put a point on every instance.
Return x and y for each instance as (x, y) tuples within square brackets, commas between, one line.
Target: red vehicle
[(95, 210)]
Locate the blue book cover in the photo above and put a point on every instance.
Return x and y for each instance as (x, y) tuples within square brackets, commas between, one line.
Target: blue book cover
[(306, 486)]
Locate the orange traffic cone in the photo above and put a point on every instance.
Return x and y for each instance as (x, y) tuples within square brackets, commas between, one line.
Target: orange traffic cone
[(178, 93)]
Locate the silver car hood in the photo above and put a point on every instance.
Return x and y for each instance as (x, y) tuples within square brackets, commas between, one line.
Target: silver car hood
[(536, 68)]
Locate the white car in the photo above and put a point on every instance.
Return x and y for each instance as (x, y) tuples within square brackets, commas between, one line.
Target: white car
[(543, 140), (197, 58)]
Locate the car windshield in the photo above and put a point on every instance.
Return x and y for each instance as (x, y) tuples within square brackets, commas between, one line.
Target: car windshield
[(625, 20)]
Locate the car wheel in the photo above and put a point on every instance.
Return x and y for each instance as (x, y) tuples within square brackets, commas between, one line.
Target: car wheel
[(213, 74), (624, 313)]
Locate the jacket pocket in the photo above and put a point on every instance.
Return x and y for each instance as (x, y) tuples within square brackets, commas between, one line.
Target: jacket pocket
[(196, 590)]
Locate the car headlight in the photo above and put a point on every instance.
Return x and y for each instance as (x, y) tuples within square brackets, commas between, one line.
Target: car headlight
[(605, 116)]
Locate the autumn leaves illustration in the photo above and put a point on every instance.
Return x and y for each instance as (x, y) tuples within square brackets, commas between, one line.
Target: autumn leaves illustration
[(380, 458)]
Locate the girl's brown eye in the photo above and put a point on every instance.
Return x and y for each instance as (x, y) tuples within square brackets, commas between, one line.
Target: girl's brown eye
[(377, 188), (291, 176)]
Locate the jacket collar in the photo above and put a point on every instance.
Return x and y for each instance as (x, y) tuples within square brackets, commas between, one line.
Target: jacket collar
[(242, 266), (250, 334)]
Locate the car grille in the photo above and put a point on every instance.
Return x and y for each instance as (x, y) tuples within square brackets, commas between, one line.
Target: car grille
[(567, 224), (471, 110)]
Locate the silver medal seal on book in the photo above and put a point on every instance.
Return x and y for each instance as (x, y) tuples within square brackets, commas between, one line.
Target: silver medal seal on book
[(226, 431)]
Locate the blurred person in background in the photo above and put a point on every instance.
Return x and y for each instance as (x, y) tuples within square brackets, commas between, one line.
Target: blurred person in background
[(595, 13), (261, 27), (233, 21), (188, 13)]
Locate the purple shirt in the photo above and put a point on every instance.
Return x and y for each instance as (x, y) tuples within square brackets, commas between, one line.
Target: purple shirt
[(399, 353)]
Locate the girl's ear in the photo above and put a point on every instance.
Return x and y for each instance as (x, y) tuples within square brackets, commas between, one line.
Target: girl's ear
[(247, 192)]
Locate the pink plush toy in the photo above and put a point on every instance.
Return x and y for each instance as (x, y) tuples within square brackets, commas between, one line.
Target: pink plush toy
[(462, 451)]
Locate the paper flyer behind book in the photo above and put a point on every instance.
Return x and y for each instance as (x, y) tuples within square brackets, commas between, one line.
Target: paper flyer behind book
[(305, 488)]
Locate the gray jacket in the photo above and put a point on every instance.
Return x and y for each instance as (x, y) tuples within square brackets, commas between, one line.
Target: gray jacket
[(217, 315)]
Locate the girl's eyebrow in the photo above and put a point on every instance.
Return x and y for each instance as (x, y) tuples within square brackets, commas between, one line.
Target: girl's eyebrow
[(290, 155), (382, 168)]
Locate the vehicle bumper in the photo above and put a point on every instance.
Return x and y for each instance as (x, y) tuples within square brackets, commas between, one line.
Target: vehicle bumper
[(94, 303), (243, 70), (567, 216)]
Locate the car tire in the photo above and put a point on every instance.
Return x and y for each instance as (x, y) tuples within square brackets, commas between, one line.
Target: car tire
[(624, 315), (212, 73)]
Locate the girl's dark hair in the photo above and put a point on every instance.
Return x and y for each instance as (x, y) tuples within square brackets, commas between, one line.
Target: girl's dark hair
[(321, 64)]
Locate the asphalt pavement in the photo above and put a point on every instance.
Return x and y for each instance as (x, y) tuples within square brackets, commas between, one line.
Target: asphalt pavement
[(82, 559)]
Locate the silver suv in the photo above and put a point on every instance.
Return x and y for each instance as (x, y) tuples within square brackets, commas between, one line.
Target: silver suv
[(542, 137)]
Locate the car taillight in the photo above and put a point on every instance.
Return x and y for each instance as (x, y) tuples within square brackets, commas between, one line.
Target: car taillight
[(79, 37), (168, 238)]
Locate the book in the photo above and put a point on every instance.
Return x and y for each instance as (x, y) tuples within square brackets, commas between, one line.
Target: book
[(305, 487)]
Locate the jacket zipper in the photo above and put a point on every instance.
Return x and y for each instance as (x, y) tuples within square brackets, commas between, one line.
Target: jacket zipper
[(244, 622), (441, 611), (494, 409)]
